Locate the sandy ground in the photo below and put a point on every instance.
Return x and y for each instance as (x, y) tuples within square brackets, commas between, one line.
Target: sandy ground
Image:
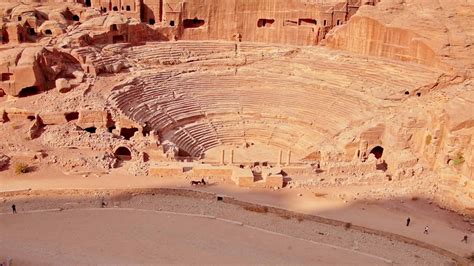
[(446, 228), (66, 233), (145, 237)]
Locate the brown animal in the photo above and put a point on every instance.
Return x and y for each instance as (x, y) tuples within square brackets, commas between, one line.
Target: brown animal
[(196, 183)]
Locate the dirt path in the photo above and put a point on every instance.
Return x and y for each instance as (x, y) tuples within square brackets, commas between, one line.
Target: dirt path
[(327, 233), (119, 236), (447, 228)]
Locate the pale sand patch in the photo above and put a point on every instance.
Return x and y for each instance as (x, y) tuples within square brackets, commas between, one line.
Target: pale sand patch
[(115, 236), (280, 224)]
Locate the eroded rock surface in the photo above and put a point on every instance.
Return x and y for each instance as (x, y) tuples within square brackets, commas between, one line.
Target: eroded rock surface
[(236, 89)]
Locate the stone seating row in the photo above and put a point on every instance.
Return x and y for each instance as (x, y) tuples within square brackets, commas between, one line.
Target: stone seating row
[(215, 102)]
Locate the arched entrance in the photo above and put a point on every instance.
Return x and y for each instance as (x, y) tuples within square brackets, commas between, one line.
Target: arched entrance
[(28, 91), (123, 153), (377, 151)]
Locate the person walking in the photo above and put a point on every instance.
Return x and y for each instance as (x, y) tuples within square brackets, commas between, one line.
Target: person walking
[(426, 230), (408, 221), (464, 239), (14, 208)]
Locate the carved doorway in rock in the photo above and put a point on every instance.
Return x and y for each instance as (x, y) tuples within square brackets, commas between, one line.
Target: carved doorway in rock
[(123, 153), (377, 152)]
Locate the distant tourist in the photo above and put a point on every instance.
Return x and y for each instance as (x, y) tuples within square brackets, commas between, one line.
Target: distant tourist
[(203, 182), (464, 239), (104, 204), (408, 221), (426, 230), (14, 208)]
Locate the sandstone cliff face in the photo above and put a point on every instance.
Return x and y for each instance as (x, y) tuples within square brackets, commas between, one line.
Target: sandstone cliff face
[(299, 22), (445, 143), (368, 36), (454, 150), (434, 33), (436, 128), (283, 21)]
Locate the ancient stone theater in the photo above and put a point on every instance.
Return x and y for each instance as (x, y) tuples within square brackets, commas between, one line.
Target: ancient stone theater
[(257, 93)]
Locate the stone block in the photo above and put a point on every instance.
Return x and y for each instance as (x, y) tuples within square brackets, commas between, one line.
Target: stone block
[(243, 177), (53, 118), (90, 118), (274, 181), (15, 114), (214, 171), (166, 171)]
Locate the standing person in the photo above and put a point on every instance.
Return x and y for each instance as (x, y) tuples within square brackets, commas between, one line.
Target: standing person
[(408, 221), (426, 230), (464, 239), (14, 208)]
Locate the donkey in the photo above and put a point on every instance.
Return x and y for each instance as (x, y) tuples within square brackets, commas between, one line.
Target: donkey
[(196, 183)]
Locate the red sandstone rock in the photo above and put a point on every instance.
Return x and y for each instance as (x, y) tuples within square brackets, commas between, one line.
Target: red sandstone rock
[(211, 83)]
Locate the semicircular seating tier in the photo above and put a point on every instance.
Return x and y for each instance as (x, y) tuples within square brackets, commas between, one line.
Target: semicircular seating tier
[(268, 102)]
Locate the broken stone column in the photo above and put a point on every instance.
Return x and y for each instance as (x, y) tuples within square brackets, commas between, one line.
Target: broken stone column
[(280, 157), (222, 157), (363, 154)]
